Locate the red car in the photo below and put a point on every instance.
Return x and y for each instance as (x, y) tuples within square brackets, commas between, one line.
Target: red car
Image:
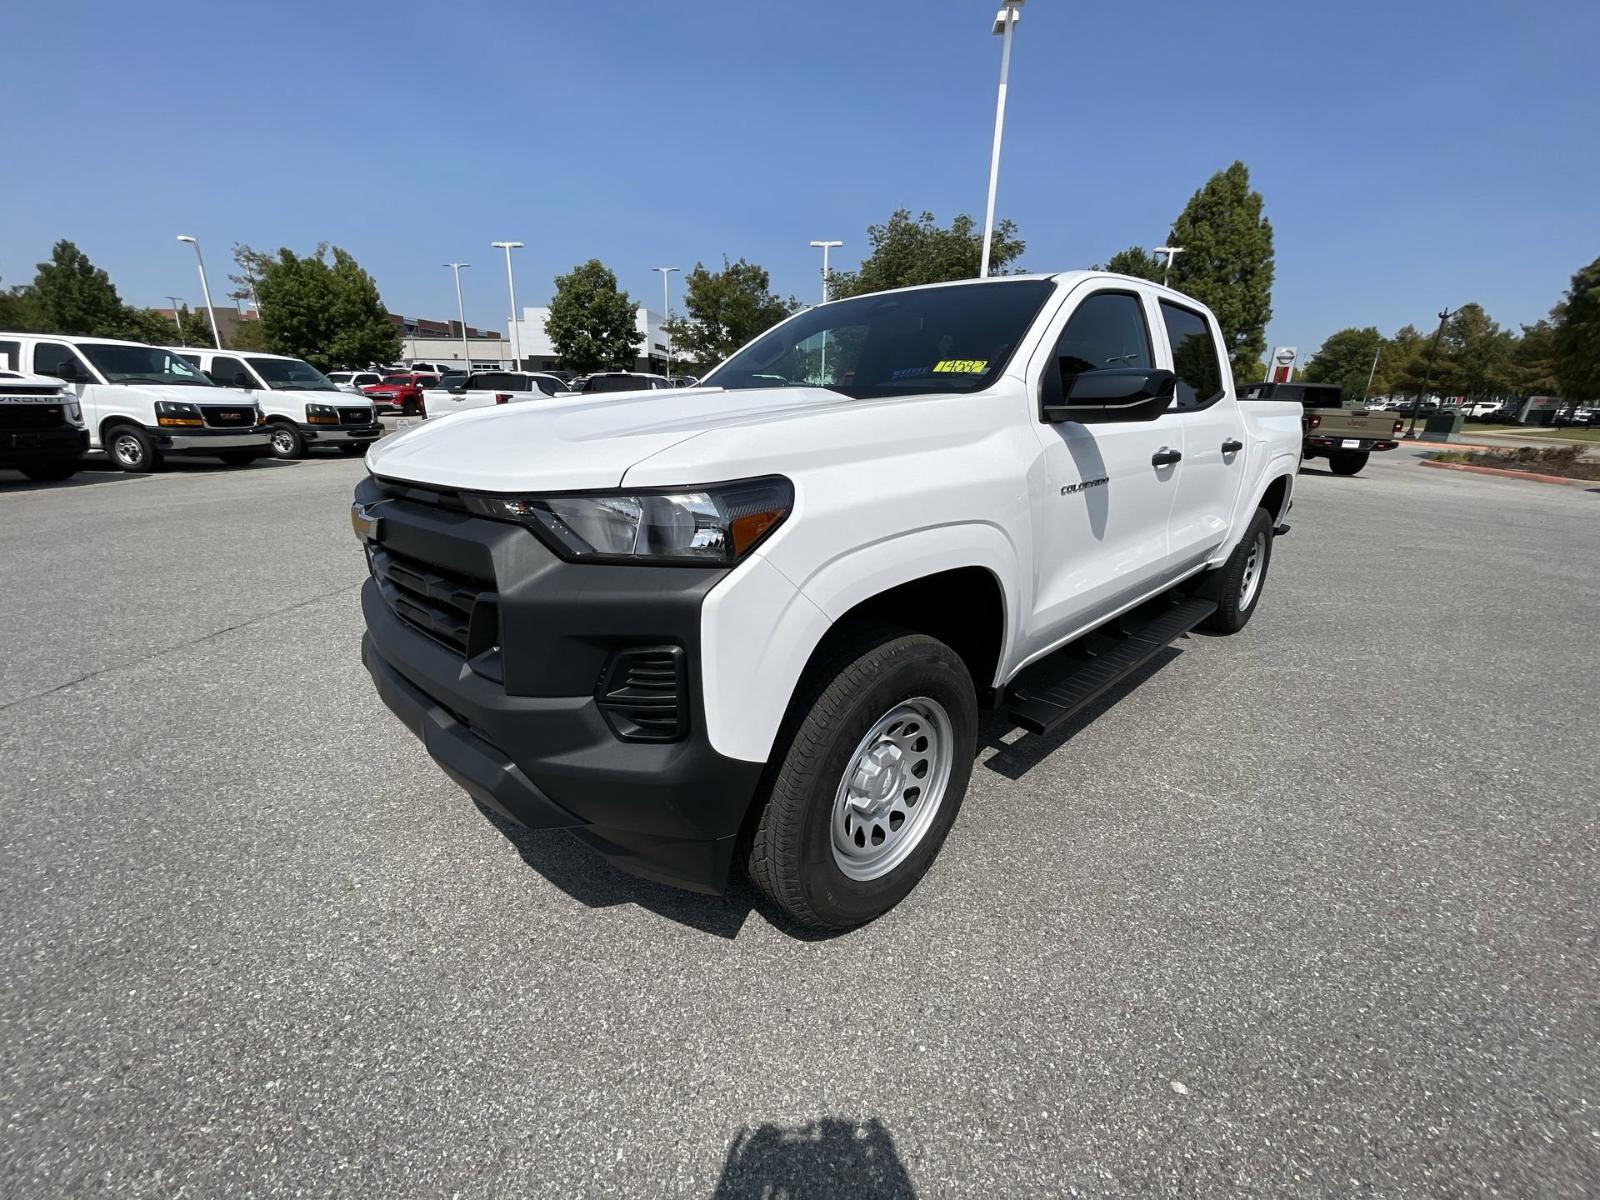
[(402, 392)]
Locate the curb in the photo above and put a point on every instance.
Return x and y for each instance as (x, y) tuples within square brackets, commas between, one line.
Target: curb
[(1504, 474)]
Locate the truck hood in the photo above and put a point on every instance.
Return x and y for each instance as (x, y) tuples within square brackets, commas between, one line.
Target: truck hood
[(581, 442)]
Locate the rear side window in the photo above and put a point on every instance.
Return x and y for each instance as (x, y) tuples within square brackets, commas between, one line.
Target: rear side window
[(1194, 358), (1106, 330), (8, 355)]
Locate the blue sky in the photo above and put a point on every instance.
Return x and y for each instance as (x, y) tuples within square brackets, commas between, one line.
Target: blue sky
[(1412, 155)]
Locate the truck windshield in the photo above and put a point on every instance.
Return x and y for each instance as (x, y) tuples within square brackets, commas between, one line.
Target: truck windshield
[(956, 338), (142, 364), (291, 374)]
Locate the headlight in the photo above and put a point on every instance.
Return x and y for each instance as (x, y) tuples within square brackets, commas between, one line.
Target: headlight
[(321, 414), (715, 525), (176, 412)]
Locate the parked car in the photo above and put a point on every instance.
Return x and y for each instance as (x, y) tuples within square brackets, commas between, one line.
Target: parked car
[(142, 404), (488, 388), (354, 381), (402, 393), (756, 623), (624, 381), (41, 426), (455, 367), (1346, 437), (303, 407)]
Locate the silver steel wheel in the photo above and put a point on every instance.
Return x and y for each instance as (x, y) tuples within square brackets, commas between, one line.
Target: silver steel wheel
[(282, 442), (892, 789), (127, 450), (1250, 581)]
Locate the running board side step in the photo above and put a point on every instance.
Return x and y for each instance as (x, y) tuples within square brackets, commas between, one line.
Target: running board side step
[(1053, 689)]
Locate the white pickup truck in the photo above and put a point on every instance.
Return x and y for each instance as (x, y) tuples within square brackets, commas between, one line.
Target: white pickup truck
[(755, 621)]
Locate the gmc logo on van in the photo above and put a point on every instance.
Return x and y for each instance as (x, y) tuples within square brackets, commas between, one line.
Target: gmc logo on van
[(230, 416)]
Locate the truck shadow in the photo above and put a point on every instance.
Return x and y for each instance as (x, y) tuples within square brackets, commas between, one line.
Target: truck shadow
[(831, 1157)]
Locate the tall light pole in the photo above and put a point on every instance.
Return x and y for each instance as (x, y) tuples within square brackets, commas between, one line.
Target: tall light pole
[(466, 354), (1427, 377), (825, 247), (1003, 22), (666, 314), (1171, 252), (205, 287), (1366, 391), (511, 286), (176, 300)]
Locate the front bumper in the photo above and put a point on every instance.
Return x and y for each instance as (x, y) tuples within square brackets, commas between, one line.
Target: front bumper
[(534, 744), (35, 445), (209, 441), (332, 435)]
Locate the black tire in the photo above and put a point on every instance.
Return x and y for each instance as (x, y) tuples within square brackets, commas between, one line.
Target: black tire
[(129, 448), (792, 857), (238, 458), (1347, 464), (353, 449), (1228, 584), (51, 472), (287, 443)]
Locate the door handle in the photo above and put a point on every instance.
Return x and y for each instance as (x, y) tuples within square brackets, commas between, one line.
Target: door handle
[(1232, 445), (1165, 458)]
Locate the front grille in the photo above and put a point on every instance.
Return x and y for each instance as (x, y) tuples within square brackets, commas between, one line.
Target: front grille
[(31, 416), (228, 416), (457, 611), (644, 694), (421, 493), (28, 389), (355, 416)]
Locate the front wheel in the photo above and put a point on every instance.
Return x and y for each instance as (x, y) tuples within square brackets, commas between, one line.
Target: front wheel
[(1347, 464), (131, 449), (287, 442), (869, 782), (1237, 583)]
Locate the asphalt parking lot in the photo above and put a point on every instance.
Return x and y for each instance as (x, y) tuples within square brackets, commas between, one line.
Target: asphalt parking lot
[(1308, 911)]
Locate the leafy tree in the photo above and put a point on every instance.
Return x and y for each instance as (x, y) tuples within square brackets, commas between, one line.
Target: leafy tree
[(249, 335), (1227, 261), (1533, 362), (591, 324), (1577, 337), (726, 309), (71, 295), (326, 312), (1401, 353), (1346, 359), (1475, 355), (907, 252), (1138, 262), (17, 310)]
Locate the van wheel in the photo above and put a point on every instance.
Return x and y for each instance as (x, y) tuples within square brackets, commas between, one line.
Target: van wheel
[(287, 442), (129, 448), (1346, 464), (1237, 583), (869, 782)]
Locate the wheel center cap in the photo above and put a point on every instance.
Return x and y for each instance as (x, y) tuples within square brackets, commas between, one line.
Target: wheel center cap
[(878, 776)]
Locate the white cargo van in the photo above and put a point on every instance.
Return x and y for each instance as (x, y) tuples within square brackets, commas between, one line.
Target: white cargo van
[(303, 407), (142, 403)]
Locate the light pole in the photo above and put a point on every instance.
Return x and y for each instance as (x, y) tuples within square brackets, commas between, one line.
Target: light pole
[(466, 354), (511, 286), (1368, 389), (825, 247), (666, 314), (1171, 252), (205, 287), (1427, 376), (176, 300), (1003, 22)]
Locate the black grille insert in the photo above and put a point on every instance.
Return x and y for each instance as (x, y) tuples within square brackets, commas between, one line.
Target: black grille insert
[(31, 416), (355, 416), (457, 611), (229, 416), (644, 693)]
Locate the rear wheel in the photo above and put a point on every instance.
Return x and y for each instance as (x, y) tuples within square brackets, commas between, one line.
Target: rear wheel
[(129, 447), (870, 780), (1347, 464), (1238, 582), (287, 442), (51, 472)]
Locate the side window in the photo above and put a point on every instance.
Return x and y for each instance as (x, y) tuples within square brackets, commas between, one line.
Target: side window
[(192, 359), (1194, 358), (8, 355), (50, 357), (1105, 330), (224, 371)]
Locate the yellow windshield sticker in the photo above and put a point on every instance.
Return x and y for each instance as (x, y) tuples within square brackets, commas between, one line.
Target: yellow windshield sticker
[(961, 366)]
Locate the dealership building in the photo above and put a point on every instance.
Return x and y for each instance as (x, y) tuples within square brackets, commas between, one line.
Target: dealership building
[(539, 355)]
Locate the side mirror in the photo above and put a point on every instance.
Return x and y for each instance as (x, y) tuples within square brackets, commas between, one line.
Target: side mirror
[(240, 380), (69, 372), (1108, 394)]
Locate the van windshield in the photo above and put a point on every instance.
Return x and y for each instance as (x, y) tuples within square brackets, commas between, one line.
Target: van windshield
[(291, 374), (956, 338), (142, 364)]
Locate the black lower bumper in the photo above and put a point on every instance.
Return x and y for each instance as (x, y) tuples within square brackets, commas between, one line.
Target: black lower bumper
[(535, 745), (26, 447)]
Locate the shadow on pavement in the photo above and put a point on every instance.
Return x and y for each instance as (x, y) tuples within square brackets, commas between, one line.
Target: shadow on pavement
[(826, 1158), (1017, 758), (87, 476)]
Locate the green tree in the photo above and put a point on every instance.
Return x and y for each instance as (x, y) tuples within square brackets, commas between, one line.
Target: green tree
[(1346, 358), (1474, 357), (327, 312), (906, 253), (1227, 261), (1533, 362), (17, 310), (1401, 352), (725, 309), (1135, 261), (70, 294), (1577, 337), (592, 325)]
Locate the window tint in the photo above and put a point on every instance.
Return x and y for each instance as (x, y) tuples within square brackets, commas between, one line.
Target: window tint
[(490, 381), (48, 358), (8, 354), (1194, 357), (1106, 330), (224, 369), (192, 359)]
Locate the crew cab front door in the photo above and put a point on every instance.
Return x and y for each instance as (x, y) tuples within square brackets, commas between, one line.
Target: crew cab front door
[(1100, 518)]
